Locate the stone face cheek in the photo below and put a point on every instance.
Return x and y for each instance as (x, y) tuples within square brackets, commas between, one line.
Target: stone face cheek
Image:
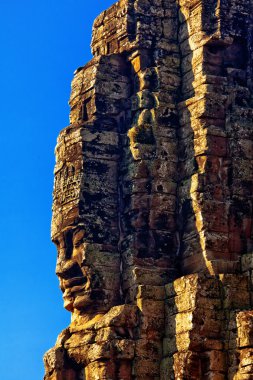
[(152, 203)]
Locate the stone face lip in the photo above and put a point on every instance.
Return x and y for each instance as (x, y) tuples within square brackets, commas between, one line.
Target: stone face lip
[(152, 202)]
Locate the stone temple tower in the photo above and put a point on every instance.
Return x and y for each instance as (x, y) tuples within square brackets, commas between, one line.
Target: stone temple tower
[(152, 208)]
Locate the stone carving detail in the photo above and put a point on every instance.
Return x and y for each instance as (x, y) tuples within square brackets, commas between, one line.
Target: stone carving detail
[(152, 209)]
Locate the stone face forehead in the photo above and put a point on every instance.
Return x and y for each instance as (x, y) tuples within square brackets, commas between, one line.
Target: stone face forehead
[(87, 152), (67, 183)]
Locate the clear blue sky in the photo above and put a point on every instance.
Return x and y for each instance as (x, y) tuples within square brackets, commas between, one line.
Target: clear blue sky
[(42, 43)]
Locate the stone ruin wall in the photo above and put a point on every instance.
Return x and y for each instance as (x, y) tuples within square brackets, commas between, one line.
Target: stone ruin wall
[(152, 210)]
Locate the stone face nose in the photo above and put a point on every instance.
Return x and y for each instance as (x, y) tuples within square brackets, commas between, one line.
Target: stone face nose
[(67, 268)]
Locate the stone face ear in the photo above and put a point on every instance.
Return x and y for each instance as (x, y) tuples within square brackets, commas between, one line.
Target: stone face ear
[(152, 207)]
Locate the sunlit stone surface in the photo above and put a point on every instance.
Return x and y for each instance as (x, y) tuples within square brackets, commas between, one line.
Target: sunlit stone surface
[(152, 209)]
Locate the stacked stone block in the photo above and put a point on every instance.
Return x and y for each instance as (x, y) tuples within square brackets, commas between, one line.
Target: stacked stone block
[(210, 154), (205, 326)]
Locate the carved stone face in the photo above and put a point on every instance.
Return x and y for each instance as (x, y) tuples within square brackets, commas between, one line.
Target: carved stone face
[(83, 281), (88, 265)]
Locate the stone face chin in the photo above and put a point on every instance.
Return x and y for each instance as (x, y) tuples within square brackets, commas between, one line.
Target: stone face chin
[(68, 303), (82, 302), (153, 197)]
